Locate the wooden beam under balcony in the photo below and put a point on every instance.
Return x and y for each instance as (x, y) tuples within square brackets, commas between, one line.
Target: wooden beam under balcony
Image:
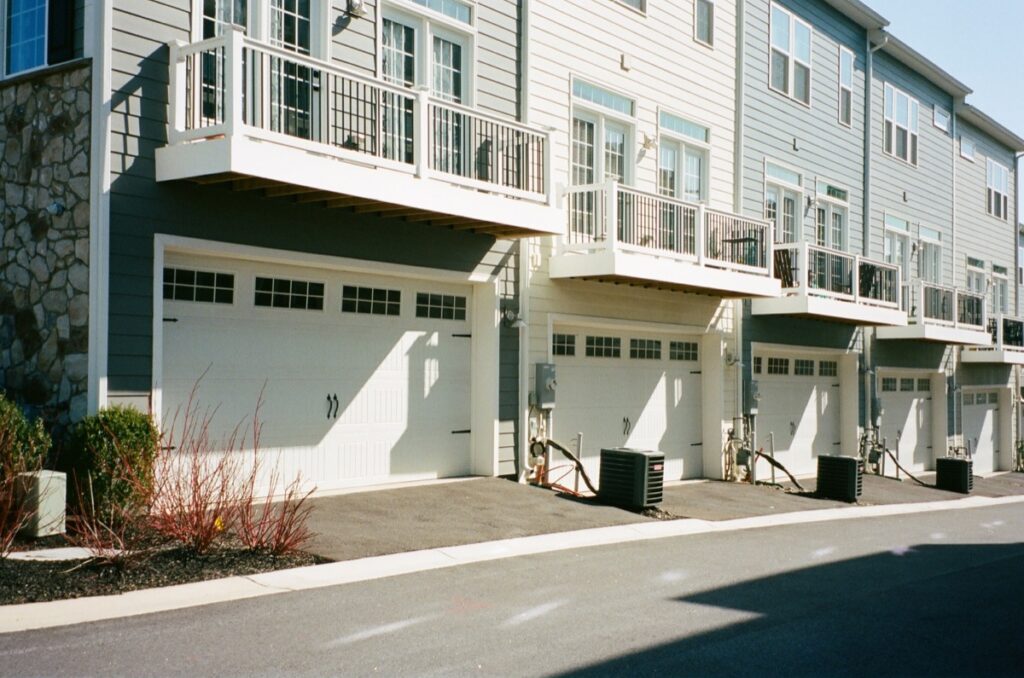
[(287, 190), (254, 184)]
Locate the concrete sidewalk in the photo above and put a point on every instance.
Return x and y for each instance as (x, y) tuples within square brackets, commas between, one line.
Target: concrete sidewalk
[(435, 515)]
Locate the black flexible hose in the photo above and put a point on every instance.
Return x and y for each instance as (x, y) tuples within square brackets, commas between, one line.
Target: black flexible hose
[(576, 460), (782, 468), (911, 475)]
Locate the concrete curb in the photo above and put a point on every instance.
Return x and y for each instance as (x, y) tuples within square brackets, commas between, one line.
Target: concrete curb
[(76, 611)]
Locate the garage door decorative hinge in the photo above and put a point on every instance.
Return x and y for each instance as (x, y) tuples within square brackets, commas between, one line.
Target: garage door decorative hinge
[(170, 320), (694, 371), (461, 430), (464, 336)]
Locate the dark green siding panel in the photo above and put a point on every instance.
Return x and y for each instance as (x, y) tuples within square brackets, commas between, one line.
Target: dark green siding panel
[(909, 354)]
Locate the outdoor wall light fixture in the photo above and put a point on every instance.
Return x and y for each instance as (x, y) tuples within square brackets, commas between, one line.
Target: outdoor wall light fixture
[(357, 7), (56, 208), (510, 318)]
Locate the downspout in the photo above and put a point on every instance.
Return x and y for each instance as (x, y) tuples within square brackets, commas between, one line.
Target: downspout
[(737, 190), (523, 265), (1016, 232), (868, 342)]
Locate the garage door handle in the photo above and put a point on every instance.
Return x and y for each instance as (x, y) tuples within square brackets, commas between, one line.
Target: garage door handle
[(696, 444), (332, 406), (462, 430), (170, 320)]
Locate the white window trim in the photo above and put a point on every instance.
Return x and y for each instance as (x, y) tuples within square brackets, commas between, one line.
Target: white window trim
[(709, 45), (1004, 196), (936, 110), (996, 279), (907, 235), (924, 239), (684, 142), (801, 211), (641, 10), (4, 4), (832, 202), (427, 23), (320, 20), (839, 96), (910, 120), (974, 149), (597, 114), (793, 20), (980, 271)]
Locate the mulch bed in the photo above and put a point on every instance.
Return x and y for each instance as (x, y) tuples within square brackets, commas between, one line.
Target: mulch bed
[(30, 582)]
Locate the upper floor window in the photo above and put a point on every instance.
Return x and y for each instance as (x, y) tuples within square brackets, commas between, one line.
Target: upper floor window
[(290, 24), (704, 22), (453, 9), (901, 126), (601, 134), (998, 190), (24, 39), (1000, 290), (782, 200), (638, 5), (896, 244), (976, 280), (940, 119), (790, 56), (846, 58), (682, 158), (221, 15), (966, 149), (930, 257)]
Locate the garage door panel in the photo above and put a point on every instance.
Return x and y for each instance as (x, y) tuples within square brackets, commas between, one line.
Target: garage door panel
[(402, 382), (906, 422), (980, 427)]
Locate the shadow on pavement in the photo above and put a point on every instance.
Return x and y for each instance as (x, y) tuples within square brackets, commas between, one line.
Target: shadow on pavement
[(927, 610)]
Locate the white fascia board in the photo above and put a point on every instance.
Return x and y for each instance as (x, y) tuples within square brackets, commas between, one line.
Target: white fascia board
[(834, 309), (277, 162), (993, 356), (940, 333), (659, 269)]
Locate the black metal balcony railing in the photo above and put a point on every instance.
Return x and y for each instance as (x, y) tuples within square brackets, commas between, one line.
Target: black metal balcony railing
[(820, 271)]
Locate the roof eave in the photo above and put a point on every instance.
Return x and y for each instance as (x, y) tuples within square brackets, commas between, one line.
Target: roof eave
[(991, 127), (916, 61), (859, 13)]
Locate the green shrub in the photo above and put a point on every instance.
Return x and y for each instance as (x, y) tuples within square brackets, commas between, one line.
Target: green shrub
[(23, 445), (111, 460)]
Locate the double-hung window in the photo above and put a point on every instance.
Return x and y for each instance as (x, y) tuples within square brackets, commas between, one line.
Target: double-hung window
[(941, 119), (846, 59), (998, 181), (930, 255), (601, 147), (790, 61), (704, 21), (782, 202), (34, 33), (966, 149), (901, 125)]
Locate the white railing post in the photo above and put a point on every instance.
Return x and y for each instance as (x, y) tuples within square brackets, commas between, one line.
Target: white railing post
[(855, 279), (701, 234), (920, 302), (769, 246), (999, 331), (804, 264), (548, 165), (178, 92), (611, 214), (233, 81), (421, 132)]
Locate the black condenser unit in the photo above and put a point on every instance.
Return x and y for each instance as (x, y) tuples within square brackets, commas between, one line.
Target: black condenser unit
[(839, 478), (954, 475), (633, 479)]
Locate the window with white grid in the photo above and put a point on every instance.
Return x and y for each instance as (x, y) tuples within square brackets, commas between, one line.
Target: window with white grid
[(803, 368), (563, 344), (682, 350), (778, 365), (828, 368), (645, 349), (603, 347)]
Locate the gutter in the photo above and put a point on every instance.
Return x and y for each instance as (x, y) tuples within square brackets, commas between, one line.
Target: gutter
[(523, 264)]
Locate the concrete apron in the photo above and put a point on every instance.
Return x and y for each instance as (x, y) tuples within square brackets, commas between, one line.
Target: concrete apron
[(80, 610)]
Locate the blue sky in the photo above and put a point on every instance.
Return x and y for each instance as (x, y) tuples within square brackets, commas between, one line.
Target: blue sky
[(979, 42)]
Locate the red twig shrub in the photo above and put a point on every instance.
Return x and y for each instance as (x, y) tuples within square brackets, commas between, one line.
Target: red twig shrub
[(116, 534), (23, 447), (276, 526)]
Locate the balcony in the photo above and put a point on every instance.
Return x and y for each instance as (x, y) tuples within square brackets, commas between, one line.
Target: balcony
[(819, 282), (254, 117), (942, 314), (1007, 346), (619, 234)]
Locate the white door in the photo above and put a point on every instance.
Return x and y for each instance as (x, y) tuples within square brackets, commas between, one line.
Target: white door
[(906, 422), (365, 379), (981, 426), (798, 402), (629, 389)]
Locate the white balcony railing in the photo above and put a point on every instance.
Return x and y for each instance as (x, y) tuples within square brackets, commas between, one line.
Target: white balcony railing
[(806, 269), (929, 303), (232, 85), (616, 217)]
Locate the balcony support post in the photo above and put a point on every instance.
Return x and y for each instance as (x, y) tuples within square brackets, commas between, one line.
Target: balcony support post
[(178, 89), (233, 81), (855, 279), (549, 182), (422, 138), (700, 238), (611, 215)]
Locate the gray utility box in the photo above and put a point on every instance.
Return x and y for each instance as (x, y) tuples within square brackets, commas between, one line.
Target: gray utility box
[(632, 479), (545, 386), (44, 496), (839, 478), (954, 475)]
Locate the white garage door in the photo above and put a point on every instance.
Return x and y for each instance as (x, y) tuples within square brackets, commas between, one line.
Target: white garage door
[(981, 426), (365, 379), (629, 389), (799, 403), (906, 420)]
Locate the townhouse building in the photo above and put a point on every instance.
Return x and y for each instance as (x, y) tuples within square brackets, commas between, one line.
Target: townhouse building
[(632, 303), (390, 223)]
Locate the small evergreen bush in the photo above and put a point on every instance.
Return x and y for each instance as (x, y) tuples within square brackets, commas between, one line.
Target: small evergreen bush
[(23, 444), (111, 461)]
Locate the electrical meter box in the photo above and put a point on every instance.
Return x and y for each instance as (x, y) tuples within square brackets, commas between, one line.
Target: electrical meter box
[(545, 386)]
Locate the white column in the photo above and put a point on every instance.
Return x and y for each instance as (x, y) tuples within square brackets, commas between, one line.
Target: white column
[(940, 415), (485, 358), (849, 389), (712, 367)]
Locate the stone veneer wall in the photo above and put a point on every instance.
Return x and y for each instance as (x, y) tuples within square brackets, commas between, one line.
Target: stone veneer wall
[(44, 231)]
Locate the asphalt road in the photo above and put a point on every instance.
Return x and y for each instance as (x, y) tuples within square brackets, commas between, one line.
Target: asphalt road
[(927, 594)]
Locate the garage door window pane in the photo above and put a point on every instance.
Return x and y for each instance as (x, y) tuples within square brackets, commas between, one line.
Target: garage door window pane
[(924, 384), (906, 384), (441, 306), (828, 368), (563, 344), (757, 364), (645, 349), (370, 300), (888, 384), (993, 398), (284, 293), (682, 350), (604, 347), (803, 368), (778, 365), (968, 399), (205, 286)]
